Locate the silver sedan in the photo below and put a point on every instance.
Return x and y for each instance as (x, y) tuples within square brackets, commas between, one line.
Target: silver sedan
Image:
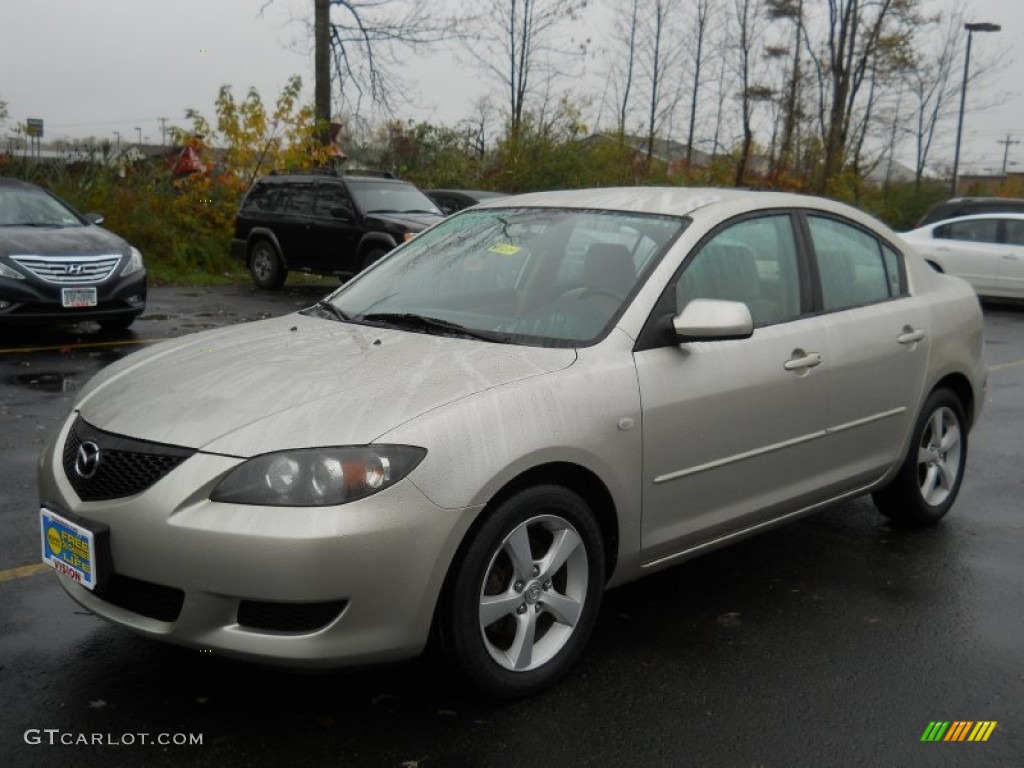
[(531, 402)]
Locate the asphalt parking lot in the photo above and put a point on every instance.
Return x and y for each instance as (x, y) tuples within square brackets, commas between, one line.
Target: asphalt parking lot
[(834, 641)]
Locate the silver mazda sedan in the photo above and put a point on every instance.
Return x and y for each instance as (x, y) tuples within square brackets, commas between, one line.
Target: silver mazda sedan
[(531, 402)]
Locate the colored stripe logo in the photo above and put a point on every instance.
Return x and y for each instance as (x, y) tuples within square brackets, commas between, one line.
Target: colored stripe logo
[(959, 730)]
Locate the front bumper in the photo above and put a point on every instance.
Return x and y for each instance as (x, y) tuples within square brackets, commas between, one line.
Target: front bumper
[(383, 560), (32, 300)]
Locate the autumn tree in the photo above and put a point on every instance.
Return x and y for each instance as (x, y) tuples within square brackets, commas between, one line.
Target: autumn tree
[(701, 14)]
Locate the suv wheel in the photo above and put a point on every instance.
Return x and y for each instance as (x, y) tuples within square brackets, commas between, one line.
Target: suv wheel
[(266, 266), (372, 256)]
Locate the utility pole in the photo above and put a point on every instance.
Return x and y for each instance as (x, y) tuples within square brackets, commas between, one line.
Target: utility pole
[(1006, 150), (163, 131)]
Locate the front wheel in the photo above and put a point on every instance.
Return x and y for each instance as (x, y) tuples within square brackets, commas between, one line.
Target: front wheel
[(929, 480), (525, 593)]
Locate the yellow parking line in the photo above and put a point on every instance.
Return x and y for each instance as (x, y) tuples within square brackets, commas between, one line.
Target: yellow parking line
[(25, 570), (89, 345), (1004, 366)]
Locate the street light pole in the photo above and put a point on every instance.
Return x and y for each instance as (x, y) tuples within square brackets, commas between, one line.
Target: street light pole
[(971, 29)]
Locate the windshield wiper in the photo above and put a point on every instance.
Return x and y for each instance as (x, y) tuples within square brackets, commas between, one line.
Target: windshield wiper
[(413, 321), (383, 210), (418, 210), (28, 224), (325, 307)]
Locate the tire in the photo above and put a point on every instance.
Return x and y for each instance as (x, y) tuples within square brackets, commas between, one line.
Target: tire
[(929, 479), (510, 624), (266, 266), (115, 324), (372, 256)]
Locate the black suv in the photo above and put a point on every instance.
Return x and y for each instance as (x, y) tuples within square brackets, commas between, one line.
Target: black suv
[(325, 223)]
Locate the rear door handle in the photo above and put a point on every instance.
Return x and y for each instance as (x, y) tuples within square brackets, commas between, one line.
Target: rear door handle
[(910, 335), (802, 360)]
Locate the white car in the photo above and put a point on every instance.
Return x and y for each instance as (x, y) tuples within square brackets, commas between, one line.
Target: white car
[(986, 250)]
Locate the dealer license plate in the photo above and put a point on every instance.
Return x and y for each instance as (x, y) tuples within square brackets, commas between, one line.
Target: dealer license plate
[(78, 297), (69, 548)]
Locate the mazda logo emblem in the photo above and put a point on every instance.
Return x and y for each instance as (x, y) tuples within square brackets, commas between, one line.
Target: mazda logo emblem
[(88, 460)]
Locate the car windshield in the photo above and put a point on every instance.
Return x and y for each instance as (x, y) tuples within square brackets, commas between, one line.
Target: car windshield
[(29, 207), (390, 197), (536, 276)]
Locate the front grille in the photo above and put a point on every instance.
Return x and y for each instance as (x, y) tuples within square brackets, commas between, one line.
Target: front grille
[(143, 597), (124, 466), (70, 270), (288, 617)]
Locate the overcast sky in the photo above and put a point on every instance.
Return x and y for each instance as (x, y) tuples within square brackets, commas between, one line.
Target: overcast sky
[(92, 67)]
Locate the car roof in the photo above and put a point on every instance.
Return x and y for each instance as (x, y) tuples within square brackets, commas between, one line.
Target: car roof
[(6, 181), (673, 201), (475, 193)]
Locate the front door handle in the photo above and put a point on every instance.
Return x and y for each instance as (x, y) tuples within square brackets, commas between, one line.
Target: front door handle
[(802, 360), (910, 335)]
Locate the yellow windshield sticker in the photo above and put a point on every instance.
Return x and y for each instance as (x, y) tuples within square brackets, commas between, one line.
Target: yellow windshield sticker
[(505, 249)]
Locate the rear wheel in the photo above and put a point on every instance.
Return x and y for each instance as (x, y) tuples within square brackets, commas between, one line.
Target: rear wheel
[(929, 480), (266, 266), (523, 598)]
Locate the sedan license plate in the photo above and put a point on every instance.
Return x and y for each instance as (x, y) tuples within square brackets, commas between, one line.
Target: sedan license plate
[(78, 297), (69, 548)]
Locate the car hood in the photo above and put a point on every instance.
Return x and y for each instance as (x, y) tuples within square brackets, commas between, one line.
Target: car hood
[(414, 222), (295, 382), (59, 241)]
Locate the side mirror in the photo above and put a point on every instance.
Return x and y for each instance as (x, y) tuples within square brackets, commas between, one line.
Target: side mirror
[(94, 218), (713, 320)]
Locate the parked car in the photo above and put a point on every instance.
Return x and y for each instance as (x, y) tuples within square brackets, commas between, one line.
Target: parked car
[(531, 402), (58, 266), (969, 206), (986, 250), (325, 224), (454, 200)]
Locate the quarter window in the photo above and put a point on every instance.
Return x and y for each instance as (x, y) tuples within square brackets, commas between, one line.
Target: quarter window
[(850, 264), (1014, 231), (753, 261)]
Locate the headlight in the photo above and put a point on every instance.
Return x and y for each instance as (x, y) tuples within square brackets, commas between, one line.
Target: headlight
[(134, 263), (6, 271), (317, 477)]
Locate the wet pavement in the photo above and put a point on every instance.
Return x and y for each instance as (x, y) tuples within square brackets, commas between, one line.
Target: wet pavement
[(834, 641)]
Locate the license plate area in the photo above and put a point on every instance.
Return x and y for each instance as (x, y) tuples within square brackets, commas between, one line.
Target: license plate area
[(78, 297), (75, 548)]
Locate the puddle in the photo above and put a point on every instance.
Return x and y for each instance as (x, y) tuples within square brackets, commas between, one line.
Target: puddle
[(46, 382)]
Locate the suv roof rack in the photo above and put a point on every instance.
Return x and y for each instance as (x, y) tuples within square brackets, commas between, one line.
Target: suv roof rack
[(333, 172)]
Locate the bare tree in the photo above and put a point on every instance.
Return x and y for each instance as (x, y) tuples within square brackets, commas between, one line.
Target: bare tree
[(701, 15), (514, 43), (933, 87), (750, 92), (791, 11), (857, 33), (657, 63)]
